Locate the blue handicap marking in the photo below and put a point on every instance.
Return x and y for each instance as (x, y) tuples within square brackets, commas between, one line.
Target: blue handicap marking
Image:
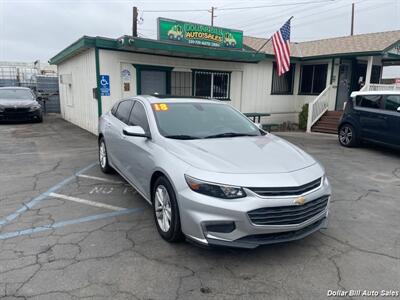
[(105, 85)]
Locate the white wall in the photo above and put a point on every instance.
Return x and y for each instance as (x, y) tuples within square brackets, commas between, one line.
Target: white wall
[(113, 62), (250, 83), (250, 88), (76, 99)]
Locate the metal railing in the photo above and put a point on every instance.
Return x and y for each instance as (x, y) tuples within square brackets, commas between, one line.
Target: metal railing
[(318, 107)]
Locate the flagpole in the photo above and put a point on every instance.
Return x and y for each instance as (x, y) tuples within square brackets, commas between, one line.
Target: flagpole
[(270, 38)]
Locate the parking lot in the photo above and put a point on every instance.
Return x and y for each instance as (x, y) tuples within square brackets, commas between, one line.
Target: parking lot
[(68, 231)]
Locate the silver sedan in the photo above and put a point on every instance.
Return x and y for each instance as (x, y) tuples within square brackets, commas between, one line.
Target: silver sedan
[(211, 175)]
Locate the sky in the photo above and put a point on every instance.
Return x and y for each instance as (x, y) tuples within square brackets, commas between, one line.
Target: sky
[(39, 29)]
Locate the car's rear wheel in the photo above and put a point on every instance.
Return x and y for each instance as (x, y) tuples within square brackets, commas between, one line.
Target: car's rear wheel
[(103, 157), (348, 136), (166, 211)]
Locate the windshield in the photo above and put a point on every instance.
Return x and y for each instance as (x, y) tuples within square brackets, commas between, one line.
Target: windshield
[(16, 94), (201, 120)]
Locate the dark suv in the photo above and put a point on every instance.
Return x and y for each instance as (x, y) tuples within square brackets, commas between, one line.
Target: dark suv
[(371, 116)]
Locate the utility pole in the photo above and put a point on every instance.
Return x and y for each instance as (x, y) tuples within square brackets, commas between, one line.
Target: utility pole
[(134, 21), (352, 19), (212, 15)]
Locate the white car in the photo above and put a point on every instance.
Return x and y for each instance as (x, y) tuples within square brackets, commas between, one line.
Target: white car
[(211, 174)]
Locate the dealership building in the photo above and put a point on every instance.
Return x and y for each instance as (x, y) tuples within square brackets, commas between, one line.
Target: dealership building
[(198, 60)]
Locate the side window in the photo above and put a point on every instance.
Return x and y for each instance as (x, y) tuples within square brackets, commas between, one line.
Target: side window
[(370, 101), (114, 109), (123, 111), (138, 117), (392, 102)]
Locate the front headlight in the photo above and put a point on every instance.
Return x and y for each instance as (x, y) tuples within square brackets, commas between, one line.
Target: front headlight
[(214, 190), (34, 107)]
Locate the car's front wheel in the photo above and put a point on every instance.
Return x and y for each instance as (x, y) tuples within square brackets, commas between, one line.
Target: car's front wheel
[(103, 158), (348, 136), (166, 211)]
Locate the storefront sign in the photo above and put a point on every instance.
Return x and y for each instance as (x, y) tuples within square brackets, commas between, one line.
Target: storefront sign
[(105, 85), (199, 34)]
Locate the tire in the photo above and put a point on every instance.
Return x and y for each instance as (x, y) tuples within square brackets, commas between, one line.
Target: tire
[(40, 120), (168, 228), (103, 158), (348, 136)]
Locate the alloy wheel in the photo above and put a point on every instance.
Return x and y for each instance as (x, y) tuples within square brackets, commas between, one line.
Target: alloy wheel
[(103, 155), (346, 135), (162, 206)]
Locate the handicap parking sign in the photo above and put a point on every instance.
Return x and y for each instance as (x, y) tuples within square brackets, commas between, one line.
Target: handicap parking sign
[(105, 85)]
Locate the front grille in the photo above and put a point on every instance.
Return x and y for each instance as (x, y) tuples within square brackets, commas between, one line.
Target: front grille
[(286, 191), (270, 238), (288, 215), (16, 110)]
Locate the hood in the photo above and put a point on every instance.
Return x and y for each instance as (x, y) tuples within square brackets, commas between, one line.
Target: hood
[(18, 103), (246, 155)]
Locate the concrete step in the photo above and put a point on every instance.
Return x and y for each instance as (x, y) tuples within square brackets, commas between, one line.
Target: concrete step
[(334, 113), (327, 123), (324, 130)]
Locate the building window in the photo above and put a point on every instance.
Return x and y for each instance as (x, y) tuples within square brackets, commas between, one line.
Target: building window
[(212, 84), (313, 79), (181, 83), (282, 85)]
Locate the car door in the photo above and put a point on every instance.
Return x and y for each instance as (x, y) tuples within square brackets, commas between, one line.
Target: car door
[(392, 110), (137, 151), (114, 136), (373, 119)]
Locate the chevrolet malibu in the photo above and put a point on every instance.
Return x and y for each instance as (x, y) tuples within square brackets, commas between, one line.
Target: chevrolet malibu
[(211, 175)]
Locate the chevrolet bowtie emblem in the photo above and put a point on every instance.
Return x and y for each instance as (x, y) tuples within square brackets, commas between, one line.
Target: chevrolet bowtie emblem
[(300, 201)]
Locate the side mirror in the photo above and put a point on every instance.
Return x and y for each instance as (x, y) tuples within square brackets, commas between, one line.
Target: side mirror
[(135, 131)]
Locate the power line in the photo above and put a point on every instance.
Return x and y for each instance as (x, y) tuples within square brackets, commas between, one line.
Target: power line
[(238, 8), (275, 5)]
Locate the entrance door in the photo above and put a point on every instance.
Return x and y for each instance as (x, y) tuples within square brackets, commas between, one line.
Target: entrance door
[(344, 86), (153, 82)]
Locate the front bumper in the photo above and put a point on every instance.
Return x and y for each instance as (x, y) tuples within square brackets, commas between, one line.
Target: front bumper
[(17, 116), (201, 214)]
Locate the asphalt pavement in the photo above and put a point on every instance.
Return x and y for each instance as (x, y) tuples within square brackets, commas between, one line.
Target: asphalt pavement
[(68, 231)]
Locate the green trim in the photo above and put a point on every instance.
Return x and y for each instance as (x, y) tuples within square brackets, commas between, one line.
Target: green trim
[(155, 47), (391, 46), (171, 49), (332, 69), (347, 55), (99, 102), (139, 68)]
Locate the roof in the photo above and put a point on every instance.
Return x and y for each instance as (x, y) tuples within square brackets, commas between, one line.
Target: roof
[(394, 92), (357, 45), (172, 99), (362, 44), (14, 88), (150, 46)]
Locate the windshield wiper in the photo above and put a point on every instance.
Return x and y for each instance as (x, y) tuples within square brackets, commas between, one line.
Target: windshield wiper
[(228, 134), (182, 137)]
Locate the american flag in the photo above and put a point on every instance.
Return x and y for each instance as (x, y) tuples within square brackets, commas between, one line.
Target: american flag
[(280, 42)]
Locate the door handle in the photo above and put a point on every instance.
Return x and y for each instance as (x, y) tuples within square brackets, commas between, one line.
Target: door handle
[(382, 117)]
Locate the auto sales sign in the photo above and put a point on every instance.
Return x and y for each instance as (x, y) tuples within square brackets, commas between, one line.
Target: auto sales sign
[(199, 34)]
